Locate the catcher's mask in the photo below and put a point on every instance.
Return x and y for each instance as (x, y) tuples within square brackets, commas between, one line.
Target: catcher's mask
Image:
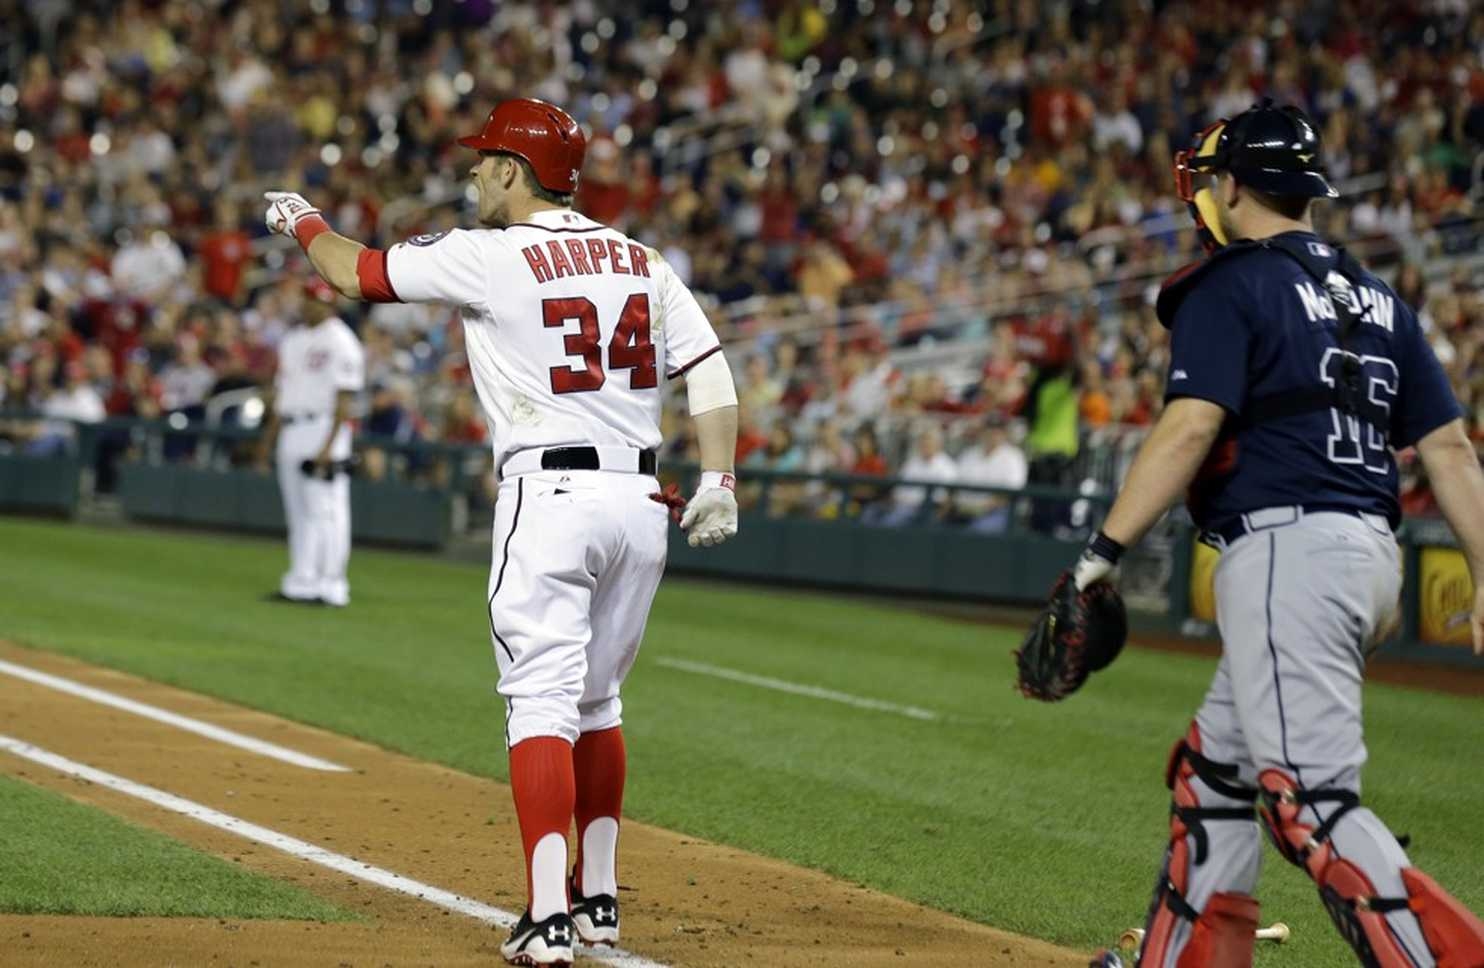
[(1273, 150)]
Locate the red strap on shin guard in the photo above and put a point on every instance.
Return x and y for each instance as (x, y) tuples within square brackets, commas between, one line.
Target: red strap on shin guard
[(1454, 935), (1453, 932), (1224, 934)]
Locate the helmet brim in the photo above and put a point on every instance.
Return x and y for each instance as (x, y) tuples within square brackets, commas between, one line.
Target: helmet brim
[(1295, 184)]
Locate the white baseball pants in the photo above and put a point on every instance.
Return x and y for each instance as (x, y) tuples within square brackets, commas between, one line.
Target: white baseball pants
[(317, 512), (578, 557)]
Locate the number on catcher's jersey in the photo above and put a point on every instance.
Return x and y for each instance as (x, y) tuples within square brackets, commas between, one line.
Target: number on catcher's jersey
[(629, 348), (1352, 440)]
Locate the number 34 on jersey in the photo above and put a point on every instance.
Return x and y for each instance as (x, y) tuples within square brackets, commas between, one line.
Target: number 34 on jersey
[(567, 324)]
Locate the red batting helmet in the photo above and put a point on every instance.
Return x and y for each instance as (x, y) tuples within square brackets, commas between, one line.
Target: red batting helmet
[(542, 134)]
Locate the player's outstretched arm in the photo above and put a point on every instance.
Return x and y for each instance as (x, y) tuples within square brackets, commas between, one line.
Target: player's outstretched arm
[(1453, 467), (1159, 477), (335, 257)]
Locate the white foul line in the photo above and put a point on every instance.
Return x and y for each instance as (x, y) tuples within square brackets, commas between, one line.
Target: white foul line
[(303, 850), (794, 688), (218, 733)]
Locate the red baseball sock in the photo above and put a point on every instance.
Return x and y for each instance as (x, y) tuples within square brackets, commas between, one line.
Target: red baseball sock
[(541, 779), (600, 763)]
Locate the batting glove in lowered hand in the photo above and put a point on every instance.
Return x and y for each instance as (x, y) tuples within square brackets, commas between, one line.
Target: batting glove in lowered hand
[(711, 516), (1081, 629), (285, 211)]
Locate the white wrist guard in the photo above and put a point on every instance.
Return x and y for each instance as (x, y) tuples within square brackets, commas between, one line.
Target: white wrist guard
[(710, 479)]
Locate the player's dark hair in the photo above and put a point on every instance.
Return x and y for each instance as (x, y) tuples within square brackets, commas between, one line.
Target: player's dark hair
[(1293, 207), (537, 189)]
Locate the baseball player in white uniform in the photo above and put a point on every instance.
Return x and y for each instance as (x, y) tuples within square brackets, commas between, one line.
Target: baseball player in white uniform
[(320, 370), (571, 328)]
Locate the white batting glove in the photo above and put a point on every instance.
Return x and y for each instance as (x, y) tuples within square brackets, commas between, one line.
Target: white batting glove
[(285, 211), (711, 516)]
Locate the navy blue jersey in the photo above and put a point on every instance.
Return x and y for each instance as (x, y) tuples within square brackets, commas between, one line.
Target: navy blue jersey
[(1258, 323)]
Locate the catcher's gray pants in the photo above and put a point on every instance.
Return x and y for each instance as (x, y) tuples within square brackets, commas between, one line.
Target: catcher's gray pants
[(1298, 600)]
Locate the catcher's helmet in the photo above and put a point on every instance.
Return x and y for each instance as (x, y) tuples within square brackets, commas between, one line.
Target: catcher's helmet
[(1271, 149), (542, 134)]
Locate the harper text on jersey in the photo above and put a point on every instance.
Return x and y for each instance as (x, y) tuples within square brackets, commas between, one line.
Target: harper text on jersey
[(559, 258)]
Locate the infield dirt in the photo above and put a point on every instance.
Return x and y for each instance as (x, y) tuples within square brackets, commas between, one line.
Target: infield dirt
[(687, 903)]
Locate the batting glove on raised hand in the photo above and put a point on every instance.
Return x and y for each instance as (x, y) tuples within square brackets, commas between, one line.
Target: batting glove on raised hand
[(285, 211), (711, 516)]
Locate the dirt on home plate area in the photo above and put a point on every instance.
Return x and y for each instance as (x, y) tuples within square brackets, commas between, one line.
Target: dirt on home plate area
[(686, 903)]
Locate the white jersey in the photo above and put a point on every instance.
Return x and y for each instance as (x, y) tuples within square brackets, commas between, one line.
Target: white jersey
[(315, 363), (570, 327)]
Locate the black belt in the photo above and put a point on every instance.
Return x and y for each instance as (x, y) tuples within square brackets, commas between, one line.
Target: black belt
[(1231, 530), (293, 418), (586, 459)]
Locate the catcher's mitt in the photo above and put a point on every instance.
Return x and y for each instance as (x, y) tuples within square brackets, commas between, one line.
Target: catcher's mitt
[(1076, 634)]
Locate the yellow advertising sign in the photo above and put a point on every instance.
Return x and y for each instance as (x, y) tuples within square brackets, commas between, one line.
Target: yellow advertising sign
[(1447, 597)]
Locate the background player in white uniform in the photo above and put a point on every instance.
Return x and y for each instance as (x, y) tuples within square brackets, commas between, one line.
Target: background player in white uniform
[(321, 368), (571, 329)]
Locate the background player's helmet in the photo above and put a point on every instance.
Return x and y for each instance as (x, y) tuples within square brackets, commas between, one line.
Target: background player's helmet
[(542, 134), (1271, 149)]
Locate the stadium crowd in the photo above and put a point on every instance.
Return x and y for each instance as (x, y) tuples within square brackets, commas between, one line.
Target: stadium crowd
[(924, 228)]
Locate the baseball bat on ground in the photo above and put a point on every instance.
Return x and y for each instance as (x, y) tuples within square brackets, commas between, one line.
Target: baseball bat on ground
[(1278, 933)]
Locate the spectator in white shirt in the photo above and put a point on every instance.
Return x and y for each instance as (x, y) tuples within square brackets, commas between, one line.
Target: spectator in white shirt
[(927, 465), (75, 402), (1116, 124), (77, 399), (994, 461), (187, 381), (147, 265)]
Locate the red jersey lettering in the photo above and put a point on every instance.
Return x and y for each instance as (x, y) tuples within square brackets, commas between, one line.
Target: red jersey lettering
[(639, 259), (578, 251), (598, 250), (560, 266), (537, 261), (615, 255)]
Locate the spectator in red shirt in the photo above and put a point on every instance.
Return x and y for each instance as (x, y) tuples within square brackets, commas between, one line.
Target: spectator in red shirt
[(603, 194), (780, 209), (868, 463), (1059, 111), (462, 424), (224, 253), (137, 392), (749, 438)]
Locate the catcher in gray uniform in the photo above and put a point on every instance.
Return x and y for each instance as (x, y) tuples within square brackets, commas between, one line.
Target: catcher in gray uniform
[(1294, 373)]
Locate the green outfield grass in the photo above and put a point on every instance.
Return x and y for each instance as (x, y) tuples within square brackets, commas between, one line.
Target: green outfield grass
[(61, 857), (1044, 820)]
